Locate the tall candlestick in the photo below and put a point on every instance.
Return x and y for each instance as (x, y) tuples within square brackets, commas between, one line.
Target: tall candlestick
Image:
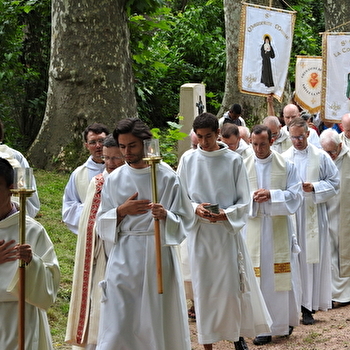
[(152, 157), (23, 189)]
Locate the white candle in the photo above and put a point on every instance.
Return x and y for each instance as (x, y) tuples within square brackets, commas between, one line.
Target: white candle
[(151, 148), (23, 178)]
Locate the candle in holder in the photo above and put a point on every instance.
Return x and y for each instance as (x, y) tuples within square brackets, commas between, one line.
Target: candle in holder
[(23, 178), (152, 157), (151, 148), (23, 188)]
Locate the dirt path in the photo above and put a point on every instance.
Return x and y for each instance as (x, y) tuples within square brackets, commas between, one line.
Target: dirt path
[(331, 331)]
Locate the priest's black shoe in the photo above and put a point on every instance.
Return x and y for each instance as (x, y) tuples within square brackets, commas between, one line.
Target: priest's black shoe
[(241, 344), (262, 339), (307, 318)]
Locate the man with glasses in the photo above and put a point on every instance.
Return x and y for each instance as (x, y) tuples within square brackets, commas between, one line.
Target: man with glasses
[(339, 217), (76, 188), (320, 179), (280, 138)]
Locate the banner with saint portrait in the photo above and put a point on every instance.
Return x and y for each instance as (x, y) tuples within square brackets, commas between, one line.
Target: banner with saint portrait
[(336, 76), (308, 83), (266, 36)]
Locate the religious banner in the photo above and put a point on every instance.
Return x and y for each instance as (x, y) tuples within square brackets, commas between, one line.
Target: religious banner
[(308, 83), (266, 36), (336, 76)]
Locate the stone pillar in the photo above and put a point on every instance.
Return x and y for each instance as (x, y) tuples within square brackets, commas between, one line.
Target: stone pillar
[(192, 103)]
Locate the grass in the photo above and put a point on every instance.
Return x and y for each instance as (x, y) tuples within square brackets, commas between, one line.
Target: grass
[(50, 189)]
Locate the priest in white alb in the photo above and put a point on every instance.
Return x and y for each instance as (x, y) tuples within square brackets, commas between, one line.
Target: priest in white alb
[(78, 183), (90, 260), (320, 179)]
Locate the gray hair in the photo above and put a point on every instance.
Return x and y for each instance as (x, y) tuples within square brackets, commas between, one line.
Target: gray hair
[(244, 131), (330, 135), (272, 120), (110, 141)]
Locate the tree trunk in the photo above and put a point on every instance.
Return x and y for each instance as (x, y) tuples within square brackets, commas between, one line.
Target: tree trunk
[(254, 108), (336, 13), (90, 78)]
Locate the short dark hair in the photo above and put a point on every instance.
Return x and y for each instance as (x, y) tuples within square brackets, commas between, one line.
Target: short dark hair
[(259, 129), (236, 108), (206, 120), (228, 130), (6, 172), (96, 128), (134, 126)]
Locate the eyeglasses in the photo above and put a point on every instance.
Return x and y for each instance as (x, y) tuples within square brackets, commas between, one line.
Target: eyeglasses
[(113, 159), (95, 142), (275, 135), (299, 138), (332, 153)]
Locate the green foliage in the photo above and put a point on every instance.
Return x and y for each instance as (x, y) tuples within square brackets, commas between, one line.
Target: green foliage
[(168, 139), (11, 70), (24, 60), (172, 48)]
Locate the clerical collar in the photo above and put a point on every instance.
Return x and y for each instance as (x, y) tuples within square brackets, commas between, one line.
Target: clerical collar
[(219, 143), (264, 160), (304, 151)]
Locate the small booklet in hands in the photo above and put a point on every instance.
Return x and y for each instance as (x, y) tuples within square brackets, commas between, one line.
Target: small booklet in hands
[(214, 208)]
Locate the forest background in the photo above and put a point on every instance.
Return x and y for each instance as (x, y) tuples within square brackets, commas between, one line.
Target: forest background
[(171, 43)]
